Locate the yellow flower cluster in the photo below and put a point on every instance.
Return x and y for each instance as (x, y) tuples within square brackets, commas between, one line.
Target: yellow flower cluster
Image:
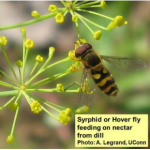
[(19, 63), (39, 58), (60, 87), (3, 40), (13, 106), (83, 109), (29, 44), (64, 116), (59, 18), (118, 21), (36, 107)]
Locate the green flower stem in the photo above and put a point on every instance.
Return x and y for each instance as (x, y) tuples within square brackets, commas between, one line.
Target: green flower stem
[(44, 101), (95, 6), (9, 63), (52, 107), (44, 17), (89, 4), (81, 17), (80, 3), (49, 79), (6, 104), (75, 2), (7, 85), (78, 30), (44, 69), (15, 118), (51, 52), (27, 97), (63, 2), (24, 63), (18, 96), (51, 90), (65, 13), (7, 77), (91, 12), (35, 66), (23, 56), (49, 113), (20, 74), (8, 93)]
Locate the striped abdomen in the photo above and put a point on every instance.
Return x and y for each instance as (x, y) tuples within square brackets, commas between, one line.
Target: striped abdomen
[(104, 81)]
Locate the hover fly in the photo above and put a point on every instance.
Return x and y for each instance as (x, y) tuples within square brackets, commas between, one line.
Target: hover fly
[(94, 67)]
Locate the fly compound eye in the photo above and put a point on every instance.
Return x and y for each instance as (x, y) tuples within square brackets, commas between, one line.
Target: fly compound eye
[(88, 46), (82, 49)]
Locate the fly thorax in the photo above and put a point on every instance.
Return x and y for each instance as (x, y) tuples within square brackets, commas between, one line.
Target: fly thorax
[(91, 59)]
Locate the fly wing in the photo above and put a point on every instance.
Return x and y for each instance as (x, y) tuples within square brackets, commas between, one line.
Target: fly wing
[(86, 88), (124, 63)]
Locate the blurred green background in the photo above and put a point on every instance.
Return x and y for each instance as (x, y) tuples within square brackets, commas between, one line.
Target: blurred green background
[(132, 40)]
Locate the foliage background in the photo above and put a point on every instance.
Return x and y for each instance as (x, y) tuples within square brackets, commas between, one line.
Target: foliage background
[(132, 40)]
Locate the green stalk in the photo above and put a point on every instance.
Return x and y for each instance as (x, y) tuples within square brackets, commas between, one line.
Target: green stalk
[(85, 23), (8, 93), (7, 77), (44, 17), (49, 79), (6, 104), (14, 122), (81, 17), (49, 113), (98, 14), (44, 69), (48, 102), (88, 4), (9, 63), (8, 85)]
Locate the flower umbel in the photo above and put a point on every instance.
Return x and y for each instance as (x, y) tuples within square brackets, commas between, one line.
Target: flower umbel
[(75, 8), (22, 85)]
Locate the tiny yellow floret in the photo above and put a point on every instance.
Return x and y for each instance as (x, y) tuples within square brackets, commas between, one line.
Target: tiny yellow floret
[(60, 87), (3, 40), (13, 106), (64, 118), (59, 18), (97, 34), (51, 51), (36, 107), (79, 42), (74, 18), (83, 109), (52, 8), (39, 58), (29, 44), (19, 63), (23, 31), (35, 14), (68, 112), (74, 68), (112, 25), (119, 20), (10, 139), (103, 4), (71, 55)]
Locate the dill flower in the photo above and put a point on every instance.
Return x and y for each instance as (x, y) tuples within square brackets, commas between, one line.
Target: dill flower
[(24, 86), (75, 8)]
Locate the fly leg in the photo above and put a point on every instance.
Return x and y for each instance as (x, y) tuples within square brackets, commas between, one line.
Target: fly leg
[(72, 85)]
